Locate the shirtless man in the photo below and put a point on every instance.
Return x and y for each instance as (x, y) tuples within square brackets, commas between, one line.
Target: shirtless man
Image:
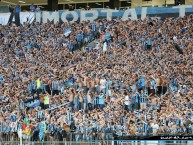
[(79, 81), (97, 83), (132, 129), (154, 102), (159, 85), (71, 98), (42, 101), (80, 100), (84, 83), (148, 85), (92, 84), (88, 82), (164, 84)]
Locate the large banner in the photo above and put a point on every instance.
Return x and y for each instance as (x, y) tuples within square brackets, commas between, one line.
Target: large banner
[(91, 15), (24, 17)]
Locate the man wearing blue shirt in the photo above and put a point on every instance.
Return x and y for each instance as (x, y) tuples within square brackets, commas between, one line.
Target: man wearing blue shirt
[(39, 113), (137, 101), (132, 97), (29, 87), (21, 105), (33, 86), (32, 8), (143, 82), (94, 29), (17, 15), (1, 80), (108, 37), (153, 87), (2, 129), (96, 101), (55, 87), (101, 101), (7, 130), (191, 128), (79, 38), (143, 100), (148, 42)]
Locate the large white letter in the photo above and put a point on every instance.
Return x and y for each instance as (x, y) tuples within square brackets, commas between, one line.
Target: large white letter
[(133, 14), (50, 16), (83, 16), (182, 9), (4, 18), (109, 13), (73, 13), (38, 17), (143, 13)]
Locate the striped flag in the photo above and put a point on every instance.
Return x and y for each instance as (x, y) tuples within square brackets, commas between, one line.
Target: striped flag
[(42, 130)]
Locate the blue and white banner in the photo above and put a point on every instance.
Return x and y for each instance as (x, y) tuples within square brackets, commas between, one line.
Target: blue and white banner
[(91, 15), (24, 17), (67, 32), (34, 104), (133, 14)]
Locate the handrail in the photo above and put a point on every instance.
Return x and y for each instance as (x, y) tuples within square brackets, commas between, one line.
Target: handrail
[(97, 143), (95, 137)]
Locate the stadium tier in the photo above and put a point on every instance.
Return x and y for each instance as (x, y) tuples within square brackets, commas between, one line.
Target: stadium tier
[(94, 81)]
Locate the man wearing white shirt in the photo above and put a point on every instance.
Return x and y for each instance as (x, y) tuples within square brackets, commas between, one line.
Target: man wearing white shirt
[(103, 82), (155, 128), (37, 9), (175, 38), (126, 101), (89, 99)]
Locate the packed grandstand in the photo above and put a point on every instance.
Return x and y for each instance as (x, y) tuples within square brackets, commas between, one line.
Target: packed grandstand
[(125, 78)]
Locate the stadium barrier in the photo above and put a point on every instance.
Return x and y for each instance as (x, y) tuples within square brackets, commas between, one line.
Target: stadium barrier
[(98, 139), (103, 143)]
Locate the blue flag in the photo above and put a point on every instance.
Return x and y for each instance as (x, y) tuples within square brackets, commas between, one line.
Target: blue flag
[(108, 36), (42, 129), (67, 32)]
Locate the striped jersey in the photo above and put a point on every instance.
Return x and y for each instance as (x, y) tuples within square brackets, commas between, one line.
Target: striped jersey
[(143, 98)]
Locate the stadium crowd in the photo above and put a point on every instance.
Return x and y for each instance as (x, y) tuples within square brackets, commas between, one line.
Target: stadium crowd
[(134, 82)]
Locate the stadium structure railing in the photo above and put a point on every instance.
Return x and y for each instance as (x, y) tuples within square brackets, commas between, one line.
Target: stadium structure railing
[(102, 143), (99, 139)]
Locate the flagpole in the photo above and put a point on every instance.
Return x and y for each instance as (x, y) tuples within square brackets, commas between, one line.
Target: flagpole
[(21, 140), (20, 136)]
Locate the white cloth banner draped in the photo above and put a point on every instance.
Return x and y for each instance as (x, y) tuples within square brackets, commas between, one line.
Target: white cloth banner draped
[(24, 16)]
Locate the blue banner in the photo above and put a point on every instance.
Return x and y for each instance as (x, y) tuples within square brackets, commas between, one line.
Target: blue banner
[(67, 32)]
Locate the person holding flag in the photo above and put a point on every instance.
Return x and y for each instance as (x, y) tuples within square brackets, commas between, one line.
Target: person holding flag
[(108, 37)]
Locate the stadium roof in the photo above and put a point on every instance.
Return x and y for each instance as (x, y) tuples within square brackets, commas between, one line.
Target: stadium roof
[(44, 2)]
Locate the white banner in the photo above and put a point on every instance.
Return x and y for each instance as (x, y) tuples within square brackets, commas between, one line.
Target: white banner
[(91, 15), (24, 16)]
